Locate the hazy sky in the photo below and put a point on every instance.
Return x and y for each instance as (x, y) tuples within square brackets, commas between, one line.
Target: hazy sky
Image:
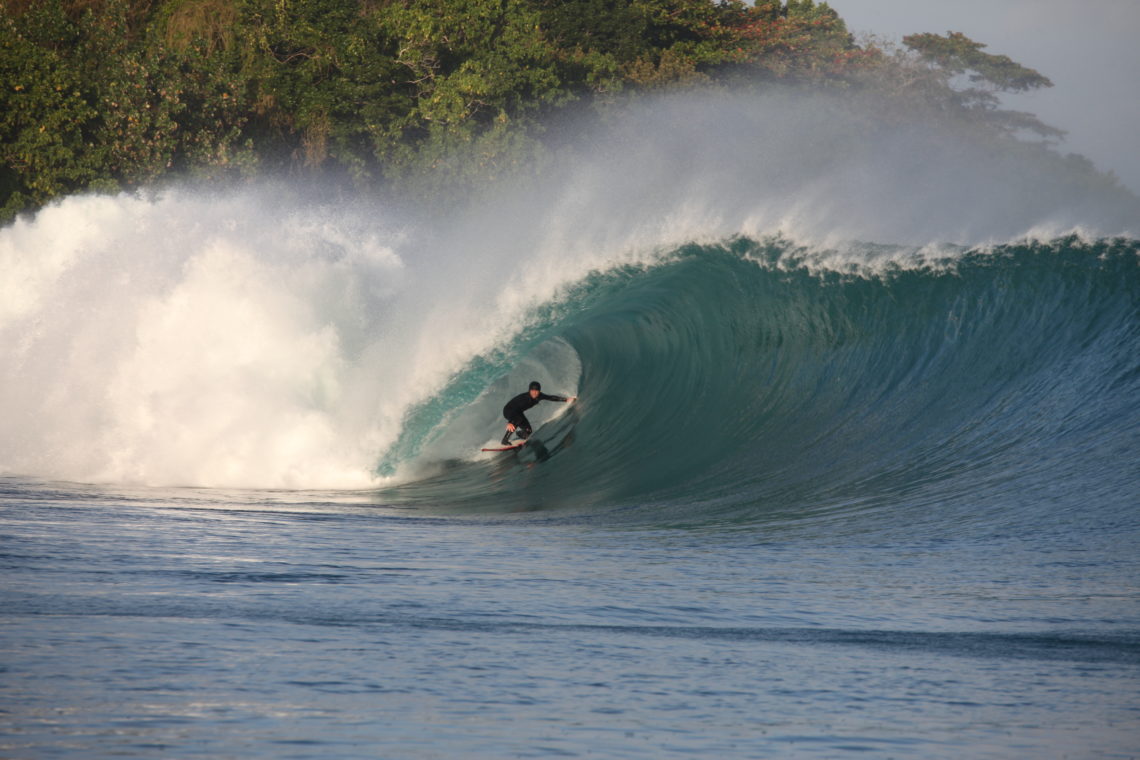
[(1087, 47)]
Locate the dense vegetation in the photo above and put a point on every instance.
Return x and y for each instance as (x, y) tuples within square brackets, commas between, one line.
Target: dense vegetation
[(108, 94)]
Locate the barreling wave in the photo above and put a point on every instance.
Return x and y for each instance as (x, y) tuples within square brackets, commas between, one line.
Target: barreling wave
[(271, 337), (753, 378)]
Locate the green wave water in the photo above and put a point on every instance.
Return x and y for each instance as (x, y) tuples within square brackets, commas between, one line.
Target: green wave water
[(742, 381)]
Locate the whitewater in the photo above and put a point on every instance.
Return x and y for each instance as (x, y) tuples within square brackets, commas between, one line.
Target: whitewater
[(853, 468)]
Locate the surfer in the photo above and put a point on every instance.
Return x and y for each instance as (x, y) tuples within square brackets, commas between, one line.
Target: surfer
[(517, 422)]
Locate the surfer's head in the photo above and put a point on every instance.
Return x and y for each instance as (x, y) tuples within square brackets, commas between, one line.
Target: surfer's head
[(535, 389)]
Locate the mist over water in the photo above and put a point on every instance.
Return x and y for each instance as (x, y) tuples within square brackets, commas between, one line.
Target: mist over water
[(256, 338)]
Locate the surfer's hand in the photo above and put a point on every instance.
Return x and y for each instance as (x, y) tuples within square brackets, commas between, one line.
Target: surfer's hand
[(571, 400), (510, 427)]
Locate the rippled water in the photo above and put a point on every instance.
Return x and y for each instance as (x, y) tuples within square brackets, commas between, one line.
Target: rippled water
[(201, 624)]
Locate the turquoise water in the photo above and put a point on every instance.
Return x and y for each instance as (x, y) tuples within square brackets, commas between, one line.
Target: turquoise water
[(733, 383), (798, 512)]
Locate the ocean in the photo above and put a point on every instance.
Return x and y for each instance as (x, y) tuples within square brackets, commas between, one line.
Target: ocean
[(853, 468)]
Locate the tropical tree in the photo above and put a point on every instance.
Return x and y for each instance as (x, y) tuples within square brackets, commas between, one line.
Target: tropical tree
[(955, 59)]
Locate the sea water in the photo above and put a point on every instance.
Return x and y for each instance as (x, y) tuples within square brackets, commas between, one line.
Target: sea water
[(174, 624), (853, 467)]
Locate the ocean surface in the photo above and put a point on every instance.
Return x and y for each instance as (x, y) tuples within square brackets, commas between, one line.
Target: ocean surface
[(854, 469)]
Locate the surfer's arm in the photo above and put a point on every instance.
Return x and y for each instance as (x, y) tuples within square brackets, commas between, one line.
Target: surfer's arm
[(563, 399)]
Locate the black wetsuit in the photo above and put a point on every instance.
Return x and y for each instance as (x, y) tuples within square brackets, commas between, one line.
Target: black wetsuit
[(514, 409)]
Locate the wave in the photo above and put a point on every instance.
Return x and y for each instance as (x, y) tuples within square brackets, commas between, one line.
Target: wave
[(689, 273), (741, 378)]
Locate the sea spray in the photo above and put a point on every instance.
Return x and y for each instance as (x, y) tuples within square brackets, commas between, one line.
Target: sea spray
[(206, 341)]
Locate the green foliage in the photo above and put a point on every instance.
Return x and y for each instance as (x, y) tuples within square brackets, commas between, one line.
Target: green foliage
[(92, 101), (476, 70), (799, 40), (321, 84), (104, 94), (948, 58), (958, 54), (45, 116)]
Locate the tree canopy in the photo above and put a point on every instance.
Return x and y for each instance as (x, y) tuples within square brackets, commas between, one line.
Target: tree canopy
[(958, 54), (955, 55), (106, 94)]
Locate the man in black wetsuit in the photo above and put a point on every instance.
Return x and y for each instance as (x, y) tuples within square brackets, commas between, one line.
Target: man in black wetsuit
[(517, 422)]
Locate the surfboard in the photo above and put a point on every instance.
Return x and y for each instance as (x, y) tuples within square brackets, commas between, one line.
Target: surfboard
[(512, 447)]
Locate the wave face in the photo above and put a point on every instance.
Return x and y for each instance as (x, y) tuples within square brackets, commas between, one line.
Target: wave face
[(742, 379), (689, 273)]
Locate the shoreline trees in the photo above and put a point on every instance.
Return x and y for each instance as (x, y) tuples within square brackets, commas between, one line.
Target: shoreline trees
[(118, 94)]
